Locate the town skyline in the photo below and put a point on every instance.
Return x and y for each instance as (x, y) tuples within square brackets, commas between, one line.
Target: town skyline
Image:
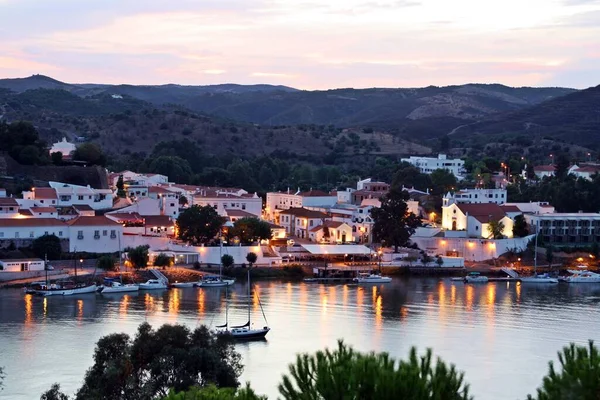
[(304, 45)]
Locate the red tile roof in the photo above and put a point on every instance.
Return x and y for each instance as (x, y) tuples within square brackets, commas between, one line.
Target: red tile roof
[(29, 222), (483, 212), (158, 220), (26, 212), (82, 207), (510, 208), (544, 168), (45, 193), (92, 221), (159, 189), (8, 202), (43, 209), (315, 193), (125, 216), (588, 169), (303, 212)]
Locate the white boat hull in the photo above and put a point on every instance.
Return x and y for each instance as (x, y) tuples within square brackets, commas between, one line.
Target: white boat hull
[(373, 281), (152, 287), (69, 292), (582, 280), (221, 283), (120, 289), (183, 284), (534, 279)]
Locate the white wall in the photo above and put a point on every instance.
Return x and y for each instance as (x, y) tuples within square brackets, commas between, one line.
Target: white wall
[(105, 243), (26, 232), (22, 265), (469, 248)]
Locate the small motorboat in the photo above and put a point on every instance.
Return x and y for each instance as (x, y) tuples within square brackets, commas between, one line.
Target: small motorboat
[(538, 278), (366, 279), (247, 333), (214, 281), (582, 277), (476, 277), (152, 284), (184, 284), (111, 286)]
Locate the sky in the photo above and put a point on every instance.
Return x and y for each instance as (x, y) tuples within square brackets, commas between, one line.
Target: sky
[(307, 44)]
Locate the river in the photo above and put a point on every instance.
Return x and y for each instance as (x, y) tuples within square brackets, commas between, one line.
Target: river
[(501, 334)]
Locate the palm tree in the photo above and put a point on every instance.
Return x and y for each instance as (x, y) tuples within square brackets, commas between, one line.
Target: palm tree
[(495, 228)]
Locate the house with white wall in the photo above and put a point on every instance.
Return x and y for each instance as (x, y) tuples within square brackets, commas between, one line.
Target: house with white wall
[(148, 206), (22, 265), (543, 171), (32, 228), (9, 208), (473, 220), (331, 232), (64, 147), (299, 221), (476, 196), (279, 201), (429, 164), (94, 235), (66, 195), (222, 200)]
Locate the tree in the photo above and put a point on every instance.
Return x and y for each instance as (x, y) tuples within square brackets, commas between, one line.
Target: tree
[(579, 377), (350, 375), (176, 168), (57, 158), (394, 224), (439, 261), (106, 263), (156, 361), (250, 230), (199, 224), (549, 255), (496, 229), (520, 228), (214, 393), (54, 393), (91, 153), (562, 166), (121, 187), (29, 155), (426, 259), (138, 256), (442, 181), (163, 260), (183, 200), (251, 258), (47, 246), (227, 261)]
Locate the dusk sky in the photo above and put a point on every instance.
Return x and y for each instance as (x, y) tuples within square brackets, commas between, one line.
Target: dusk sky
[(307, 44)]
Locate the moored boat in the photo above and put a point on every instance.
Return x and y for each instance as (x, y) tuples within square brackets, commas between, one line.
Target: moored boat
[(476, 277), (214, 281), (184, 284), (538, 278), (366, 279), (66, 288), (111, 286), (582, 277), (152, 284)]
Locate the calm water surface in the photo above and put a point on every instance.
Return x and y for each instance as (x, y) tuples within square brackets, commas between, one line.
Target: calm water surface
[(500, 334)]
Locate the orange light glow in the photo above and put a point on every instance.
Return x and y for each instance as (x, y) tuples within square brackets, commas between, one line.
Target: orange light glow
[(28, 309)]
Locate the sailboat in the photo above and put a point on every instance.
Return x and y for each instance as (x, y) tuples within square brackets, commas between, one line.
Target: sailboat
[(67, 288), (244, 332), (214, 281), (542, 278)]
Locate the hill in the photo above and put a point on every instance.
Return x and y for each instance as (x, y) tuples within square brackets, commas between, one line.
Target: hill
[(573, 119), (432, 111), (122, 123)]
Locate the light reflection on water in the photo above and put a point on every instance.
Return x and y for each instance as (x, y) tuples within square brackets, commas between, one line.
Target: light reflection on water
[(496, 333)]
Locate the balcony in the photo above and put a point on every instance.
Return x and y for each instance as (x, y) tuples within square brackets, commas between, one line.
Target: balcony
[(79, 237), (97, 237)]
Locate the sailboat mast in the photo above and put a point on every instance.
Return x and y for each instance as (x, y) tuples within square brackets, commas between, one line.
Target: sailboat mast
[(46, 268), (226, 308), (535, 251), (248, 298)]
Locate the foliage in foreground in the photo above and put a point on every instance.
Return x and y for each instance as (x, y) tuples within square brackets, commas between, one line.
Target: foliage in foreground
[(54, 393), (578, 379), (214, 393), (347, 374), (156, 361)]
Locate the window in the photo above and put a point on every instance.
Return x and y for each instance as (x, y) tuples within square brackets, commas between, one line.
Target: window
[(243, 206), (42, 201), (1, 234), (80, 197), (96, 234), (45, 233), (31, 234), (104, 232), (113, 234), (17, 235), (80, 235), (11, 208), (60, 233), (172, 204), (311, 222)]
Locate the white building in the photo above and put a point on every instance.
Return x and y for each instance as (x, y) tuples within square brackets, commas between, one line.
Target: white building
[(280, 201), (429, 164), (148, 206), (222, 200), (9, 207), (543, 171), (585, 171), (94, 235), (66, 195), (22, 265), (331, 232), (299, 221), (32, 228), (473, 220), (539, 207), (476, 196), (569, 229), (65, 148)]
